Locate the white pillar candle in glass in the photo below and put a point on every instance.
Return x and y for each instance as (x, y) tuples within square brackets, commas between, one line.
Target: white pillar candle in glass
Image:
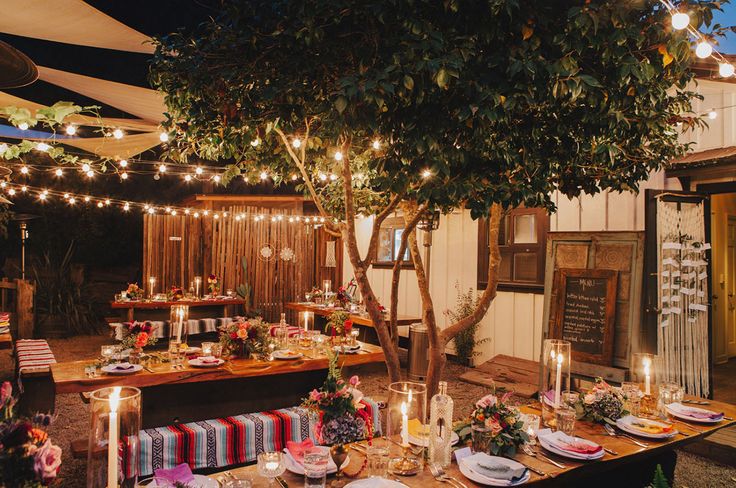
[(306, 321), (558, 380), (151, 286), (647, 377), (404, 425), (197, 285), (112, 443), (326, 285)]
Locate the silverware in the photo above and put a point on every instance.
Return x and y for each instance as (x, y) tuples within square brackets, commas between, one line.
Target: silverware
[(612, 432), (147, 368), (530, 468), (282, 482), (440, 475), (696, 402), (536, 454)]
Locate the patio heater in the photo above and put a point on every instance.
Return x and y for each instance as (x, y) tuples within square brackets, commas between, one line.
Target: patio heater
[(23, 220), (430, 222)]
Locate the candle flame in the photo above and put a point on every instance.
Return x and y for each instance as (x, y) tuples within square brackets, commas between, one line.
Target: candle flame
[(560, 357), (114, 399)]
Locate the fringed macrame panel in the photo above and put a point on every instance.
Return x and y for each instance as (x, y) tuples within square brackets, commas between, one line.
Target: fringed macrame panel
[(682, 336)]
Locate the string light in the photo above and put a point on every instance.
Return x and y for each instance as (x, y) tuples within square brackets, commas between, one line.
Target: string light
[(186, 211), (71, 129), (126, 207), (107, 201), (217, 178), (712, 114), (42, 196), (173, 212), (11, 192), (3, 184), (294, 177), (333, 177), (255, 142), (680, 20), (187, 177), (726, 70), (118, 133), (66, 196), (24, 170), (42, 146), (376, 144), (323, 177), (196, 215), (246, 179), (703, 49), (264, 175), (426, 173), (199, 170), (85, 167), (297, 143), (338, 156), (59, 172), (151, 210), (90, 174), (99, 204), (123, 163), (87, 199), (163, 137), (124, 175), (162, 168), (23, 126), (72, 201)]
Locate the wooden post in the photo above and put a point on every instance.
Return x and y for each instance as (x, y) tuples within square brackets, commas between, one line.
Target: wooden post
[(24, 308)]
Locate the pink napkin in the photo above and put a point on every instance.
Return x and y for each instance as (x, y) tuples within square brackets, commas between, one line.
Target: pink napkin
[(179, 474), (576, 447), (701, 414), (208, 359), (123, 366), (297, 449)]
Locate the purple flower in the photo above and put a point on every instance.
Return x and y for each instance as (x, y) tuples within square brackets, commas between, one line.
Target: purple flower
[(343, 430), (46, 461)]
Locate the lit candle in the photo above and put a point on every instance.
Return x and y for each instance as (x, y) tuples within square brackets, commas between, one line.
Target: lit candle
[(306, 321), (558, 380), (327, 284), (112, 443), (404, 425), (647, 376), (197, 284), (180, 323), (151, 285)]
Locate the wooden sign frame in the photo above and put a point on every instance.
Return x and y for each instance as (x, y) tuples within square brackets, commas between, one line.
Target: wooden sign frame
[(611, 277)]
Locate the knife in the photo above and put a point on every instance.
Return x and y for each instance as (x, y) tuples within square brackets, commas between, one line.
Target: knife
[(282, 482)]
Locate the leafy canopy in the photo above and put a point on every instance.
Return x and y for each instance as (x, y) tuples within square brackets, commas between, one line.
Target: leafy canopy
[(501, 100)]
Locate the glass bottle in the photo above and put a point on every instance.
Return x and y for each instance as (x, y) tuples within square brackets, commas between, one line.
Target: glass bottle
[(282, 333), (440, 427)]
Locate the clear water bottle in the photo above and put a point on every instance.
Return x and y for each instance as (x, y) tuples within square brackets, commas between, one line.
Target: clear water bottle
[(440, 427), (282, 333)]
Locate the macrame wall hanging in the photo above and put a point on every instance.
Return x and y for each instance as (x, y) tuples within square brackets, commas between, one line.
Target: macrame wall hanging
[(682, 335), (330, 256)]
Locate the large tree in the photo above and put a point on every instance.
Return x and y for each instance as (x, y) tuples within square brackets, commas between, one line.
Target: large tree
[(416, 105)]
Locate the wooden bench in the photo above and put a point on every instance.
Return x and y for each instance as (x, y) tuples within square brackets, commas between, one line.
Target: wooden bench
[(33, 366)]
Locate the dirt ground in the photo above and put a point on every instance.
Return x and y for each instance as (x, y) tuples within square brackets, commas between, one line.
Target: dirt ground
[(72, 417)]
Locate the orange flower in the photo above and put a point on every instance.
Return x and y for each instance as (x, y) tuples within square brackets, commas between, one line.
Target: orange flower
[(38, 436), (141, 340)]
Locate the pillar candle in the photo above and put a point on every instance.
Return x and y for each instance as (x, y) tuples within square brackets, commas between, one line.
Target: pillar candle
[(558, 380), (112, 443), (404, 425)]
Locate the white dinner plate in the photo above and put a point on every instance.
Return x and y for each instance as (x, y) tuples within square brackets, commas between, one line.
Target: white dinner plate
[(346, 349), (485, 480), (374, 482), (197, 363), (624, 424), (674, 410), (200, 481), (286, 354), (545, 443), (296, 468), (192, 350), (110, 369)]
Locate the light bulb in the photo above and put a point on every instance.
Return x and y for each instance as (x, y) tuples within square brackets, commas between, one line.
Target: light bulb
[(680, 20), (725, 69), (186, 211), (3, 184), (426, 173), (24, 170), (255, 142), (24, 188), (71, 129), (333, 177), (59, 172), (199, 170), (291, 220), (376, 144), (118, 133), (11, 192), (712, 114), (163, 137), (323, 177), (196, 215), (206, 213), (99, 204), (294, 177), (264, 175), (217, 178), (126, 207), (187, 177), (216, 216), (162, 168), (72, 201), (173, 212), (42, 196), (124, 175), (123, 163), (146, 207), (66, 196), (297, 143), (23, 126), (703, 49), (85, 167), (90, 174), (107, 201), (338, 156), (246, 179), (86, 199), (168, 209), (151, 210), (42, 146)]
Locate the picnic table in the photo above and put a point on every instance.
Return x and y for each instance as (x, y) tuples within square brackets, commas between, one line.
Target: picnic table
[(364, 320), (191, 394), (611, 470), (153, 309)]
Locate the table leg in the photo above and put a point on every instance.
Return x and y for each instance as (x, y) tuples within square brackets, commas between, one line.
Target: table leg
[(131, 312)]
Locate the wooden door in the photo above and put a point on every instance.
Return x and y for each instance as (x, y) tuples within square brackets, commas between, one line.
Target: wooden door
[(731, 283)]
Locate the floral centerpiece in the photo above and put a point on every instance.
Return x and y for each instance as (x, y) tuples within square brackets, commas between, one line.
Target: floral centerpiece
[(175, 293), (213, 285), (344, 297), (501, 425), (245, 337), (28, 458), (135, 292), (137, 335), (316, 294), (602, 403), (339, 324)]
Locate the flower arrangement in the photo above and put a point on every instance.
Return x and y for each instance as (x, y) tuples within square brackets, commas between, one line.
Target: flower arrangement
[(339, 324), (137, 335), (345, 293), (135, 292), (244, 337), (176, 293), (602, 403), (506, 427), (213, 284), (28, 458), (342, 416)]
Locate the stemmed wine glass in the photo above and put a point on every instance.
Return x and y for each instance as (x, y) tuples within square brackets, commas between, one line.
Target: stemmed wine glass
[(271, 465)]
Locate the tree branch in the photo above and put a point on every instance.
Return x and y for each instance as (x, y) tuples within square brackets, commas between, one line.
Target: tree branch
[(489, 293)]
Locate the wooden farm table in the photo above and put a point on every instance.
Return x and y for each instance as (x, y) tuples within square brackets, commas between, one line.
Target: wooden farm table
[(193, 394), (602, 473), (6, 341), (357, 319), (225, 308)]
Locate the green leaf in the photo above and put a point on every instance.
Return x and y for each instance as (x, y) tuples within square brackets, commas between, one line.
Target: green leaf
[(442, 78), (408, 82), (341, 104)]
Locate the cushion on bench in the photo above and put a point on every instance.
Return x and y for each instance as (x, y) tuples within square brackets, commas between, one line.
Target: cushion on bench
[(227, 441), (34, 355), (161, 327)]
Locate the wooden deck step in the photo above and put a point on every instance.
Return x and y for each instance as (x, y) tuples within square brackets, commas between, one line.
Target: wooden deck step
[(719, 446), (512, 374)]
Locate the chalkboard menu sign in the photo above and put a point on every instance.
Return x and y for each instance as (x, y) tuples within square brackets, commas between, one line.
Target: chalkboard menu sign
[(585, 313)]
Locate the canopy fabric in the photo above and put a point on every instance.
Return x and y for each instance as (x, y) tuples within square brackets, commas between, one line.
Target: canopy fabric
[(142, 102), (8, 100), (70, 22), (106, 147)]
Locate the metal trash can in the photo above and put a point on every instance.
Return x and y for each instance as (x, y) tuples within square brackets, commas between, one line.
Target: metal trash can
[(418, 352)]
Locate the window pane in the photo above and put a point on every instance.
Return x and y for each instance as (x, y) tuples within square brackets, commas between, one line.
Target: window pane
[(525, 267), (397, 244), (504, 271), (525, 229), (503, 231), (385, 253)]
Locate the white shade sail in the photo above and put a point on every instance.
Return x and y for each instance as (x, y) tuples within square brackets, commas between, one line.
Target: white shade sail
[(70, 22)]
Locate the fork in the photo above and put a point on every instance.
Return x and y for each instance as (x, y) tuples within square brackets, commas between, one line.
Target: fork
[(440, 475), (612, 432), (536, 454)]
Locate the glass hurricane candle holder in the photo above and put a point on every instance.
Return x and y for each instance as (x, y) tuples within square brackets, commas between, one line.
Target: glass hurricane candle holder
[(306, 320), (151, 286), (327, 286), (197, 287), (555, 377), (114, 451), (406, 423), (178, 323)]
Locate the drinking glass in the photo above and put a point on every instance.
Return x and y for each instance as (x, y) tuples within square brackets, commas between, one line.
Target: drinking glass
[(237, 483), (481, 438), (315, 467), (207, 348), (531, 427), (378, 461), (565, 420), (631, 391), (354, 333), (216, 350), (229, 292), (271, 465), (107, 351), (570, 398), (668, 393), (175, 353)]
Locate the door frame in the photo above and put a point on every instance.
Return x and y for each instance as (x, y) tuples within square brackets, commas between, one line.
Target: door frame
[(730, 218)]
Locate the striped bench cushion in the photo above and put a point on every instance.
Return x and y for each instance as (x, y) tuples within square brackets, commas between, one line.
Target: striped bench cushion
[(194, 326), (227, 441), (33, 354)]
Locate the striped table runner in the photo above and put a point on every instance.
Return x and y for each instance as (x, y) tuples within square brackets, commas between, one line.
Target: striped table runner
[(33, 354), (194, 326)]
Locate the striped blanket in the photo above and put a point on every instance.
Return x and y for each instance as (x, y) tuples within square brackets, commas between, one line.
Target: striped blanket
[(33, 354), (194, 326), (227, 441)]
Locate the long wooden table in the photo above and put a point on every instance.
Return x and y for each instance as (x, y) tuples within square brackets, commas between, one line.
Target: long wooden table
[(363, 320), (602, 473), (197, 308), (6, 341), (193, 394)]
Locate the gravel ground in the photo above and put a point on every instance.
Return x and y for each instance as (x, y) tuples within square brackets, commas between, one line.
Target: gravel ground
[(72, 416)]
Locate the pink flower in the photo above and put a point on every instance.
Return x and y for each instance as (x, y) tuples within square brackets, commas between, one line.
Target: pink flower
[(357, 397), (6, 391), (46, 461), (354, 381), (315, 395), (487, 401), (495, 426)]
